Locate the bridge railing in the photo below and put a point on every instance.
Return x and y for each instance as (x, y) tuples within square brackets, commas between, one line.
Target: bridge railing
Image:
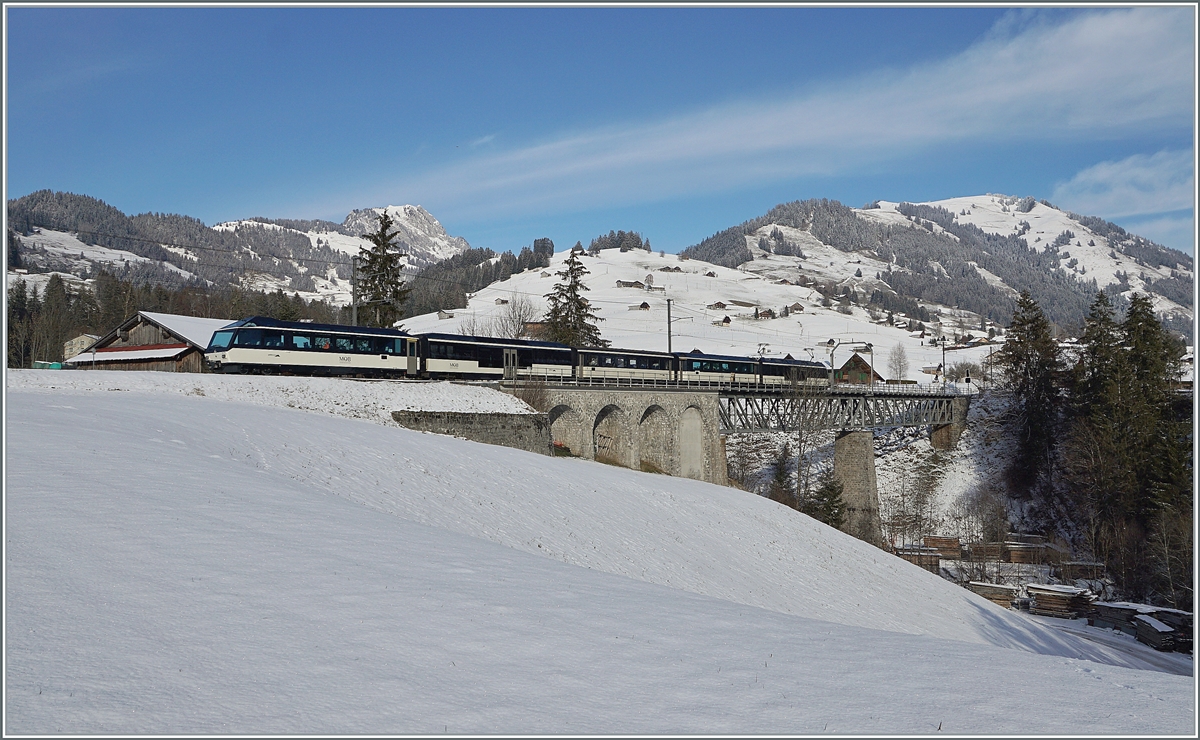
[(840, 389)]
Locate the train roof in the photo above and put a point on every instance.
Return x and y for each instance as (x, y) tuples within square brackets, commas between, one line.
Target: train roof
[(495, 340), (619, 351), (268, 322), (697, 355)]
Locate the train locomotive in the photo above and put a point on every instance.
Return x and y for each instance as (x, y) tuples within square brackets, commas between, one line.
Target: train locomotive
[(260, 345)]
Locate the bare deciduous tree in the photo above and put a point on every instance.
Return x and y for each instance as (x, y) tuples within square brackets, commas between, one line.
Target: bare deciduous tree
[(898, 362)]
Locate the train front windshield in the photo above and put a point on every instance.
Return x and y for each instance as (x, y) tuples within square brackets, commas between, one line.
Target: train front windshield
[(220, 341)]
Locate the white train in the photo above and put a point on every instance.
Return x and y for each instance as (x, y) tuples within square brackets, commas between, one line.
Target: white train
[(264, 345)]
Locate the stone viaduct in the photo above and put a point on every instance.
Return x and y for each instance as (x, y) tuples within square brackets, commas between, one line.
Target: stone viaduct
[(677, 432)]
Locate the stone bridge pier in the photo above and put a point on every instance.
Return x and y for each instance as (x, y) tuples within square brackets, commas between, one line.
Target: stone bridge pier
[(667, 431)]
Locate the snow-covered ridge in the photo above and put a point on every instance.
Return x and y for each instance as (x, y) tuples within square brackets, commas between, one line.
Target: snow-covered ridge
[(1093, 255)]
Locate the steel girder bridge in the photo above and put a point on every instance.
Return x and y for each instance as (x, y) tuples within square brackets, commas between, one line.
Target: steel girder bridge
[(838, 408)]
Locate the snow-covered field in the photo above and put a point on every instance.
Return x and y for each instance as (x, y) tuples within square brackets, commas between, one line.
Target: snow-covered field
[(222, 563)]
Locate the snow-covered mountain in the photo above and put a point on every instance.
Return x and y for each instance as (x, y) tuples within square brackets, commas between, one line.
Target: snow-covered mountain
[(976, 253), (79, 236)]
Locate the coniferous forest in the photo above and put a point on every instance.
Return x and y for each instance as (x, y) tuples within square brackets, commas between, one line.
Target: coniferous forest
[(1104, 444)]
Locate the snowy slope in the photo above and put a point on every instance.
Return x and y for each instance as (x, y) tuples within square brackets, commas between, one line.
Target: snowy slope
[(1097, 257), (804, 335), (269, 570)]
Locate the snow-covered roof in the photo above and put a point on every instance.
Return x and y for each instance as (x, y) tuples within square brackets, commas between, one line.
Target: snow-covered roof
[(195, 330), (160, 352)]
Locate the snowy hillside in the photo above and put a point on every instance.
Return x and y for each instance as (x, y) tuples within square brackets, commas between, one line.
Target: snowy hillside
[(803, 334), (179, 563), (973, 253), (1098, 257)]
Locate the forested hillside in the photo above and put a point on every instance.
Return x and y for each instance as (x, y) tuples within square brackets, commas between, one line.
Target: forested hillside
[(934, 255), (204, 255)]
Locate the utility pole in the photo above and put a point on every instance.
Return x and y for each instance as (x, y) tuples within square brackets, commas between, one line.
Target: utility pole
[(668, 326), (354, 291)]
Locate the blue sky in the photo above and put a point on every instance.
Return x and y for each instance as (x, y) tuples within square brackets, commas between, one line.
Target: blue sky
[(510, 124)]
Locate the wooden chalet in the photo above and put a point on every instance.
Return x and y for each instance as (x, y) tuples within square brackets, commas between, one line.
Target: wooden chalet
[(857, 370), (151, 341)]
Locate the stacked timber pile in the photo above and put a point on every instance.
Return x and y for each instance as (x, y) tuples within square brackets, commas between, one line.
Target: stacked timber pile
[(1019, 552), (994, 592), (1154, 633), (949, 548), (989, 552), (1064, 602), (1181, 622), (926, 557), (1118, 615), (1127, 617)]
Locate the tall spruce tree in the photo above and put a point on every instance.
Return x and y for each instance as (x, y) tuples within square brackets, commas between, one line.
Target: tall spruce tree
[(825, 502), (1030, 360), (570, 318), (381, 286)]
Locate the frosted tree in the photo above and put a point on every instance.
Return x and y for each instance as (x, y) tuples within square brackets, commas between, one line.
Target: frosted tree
[(898, 362)]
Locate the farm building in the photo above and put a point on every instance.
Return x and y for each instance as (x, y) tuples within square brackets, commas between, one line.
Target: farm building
[(858, 370), (151, 341)]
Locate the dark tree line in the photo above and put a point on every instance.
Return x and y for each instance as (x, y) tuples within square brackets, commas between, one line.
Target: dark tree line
[(39, 322), (622, 240), (446, 284), (1104, 443)]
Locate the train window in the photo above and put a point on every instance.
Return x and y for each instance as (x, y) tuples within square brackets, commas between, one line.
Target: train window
[(300, 341), (608, 362), (592, 360), (248, 338), (344, 344), (620, 362), (322, 343), (363, 344), (273, 339), (221, 340)]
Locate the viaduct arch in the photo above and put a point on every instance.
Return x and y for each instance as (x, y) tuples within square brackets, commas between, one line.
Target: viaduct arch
[(665, 431)]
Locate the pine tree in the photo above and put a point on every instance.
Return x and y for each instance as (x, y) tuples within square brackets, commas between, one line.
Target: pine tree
[(569, 317), (825, 503), (1030, 360), (381, 285)]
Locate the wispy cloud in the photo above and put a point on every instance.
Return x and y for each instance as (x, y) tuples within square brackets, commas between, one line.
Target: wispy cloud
[(1137, 185), (1097, 74), (484, 140), (76, 77)]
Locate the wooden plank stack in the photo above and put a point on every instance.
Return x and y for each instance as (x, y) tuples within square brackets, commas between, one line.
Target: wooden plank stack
[(1181, 622), (1118, 615), (1063, 602), (1154, 633), (926, 557), (948, 547), (994, 592), (989, 552), (1126, 617)]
